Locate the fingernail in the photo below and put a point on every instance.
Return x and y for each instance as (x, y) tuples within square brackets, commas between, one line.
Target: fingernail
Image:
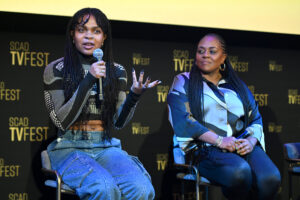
[(132, 69), (142, 71), (148, 78)]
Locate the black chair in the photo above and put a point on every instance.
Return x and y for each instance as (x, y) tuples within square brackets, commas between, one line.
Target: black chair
[(189, 172), (292, 156), (55, 181)]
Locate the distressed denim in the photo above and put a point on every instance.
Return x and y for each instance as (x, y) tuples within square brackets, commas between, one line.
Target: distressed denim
[(97, 169)]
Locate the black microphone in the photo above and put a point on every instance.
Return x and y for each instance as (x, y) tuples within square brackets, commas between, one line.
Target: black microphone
[(98, 54)]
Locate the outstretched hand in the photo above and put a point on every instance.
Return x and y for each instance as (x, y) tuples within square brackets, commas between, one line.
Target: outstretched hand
[(138, 87)]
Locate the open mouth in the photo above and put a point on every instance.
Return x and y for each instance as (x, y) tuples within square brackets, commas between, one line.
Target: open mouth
[(88, 45), (205, 62)]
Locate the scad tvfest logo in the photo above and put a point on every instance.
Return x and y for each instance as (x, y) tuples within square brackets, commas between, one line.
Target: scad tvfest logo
[(20, 130), (274, 128), (138, 59), (21, 55), (260, 98), (162, 161), (274, 67), (7, 94), (11, 171), (162, 93), (182, 60), (139, 129), (18, 196), (294, 97), (238, 66), (8, 171)]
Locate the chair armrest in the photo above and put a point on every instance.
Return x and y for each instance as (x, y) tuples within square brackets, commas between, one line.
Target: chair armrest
[(293, 160), (52, 174), (181, 166), (292, 163), (190, 168)]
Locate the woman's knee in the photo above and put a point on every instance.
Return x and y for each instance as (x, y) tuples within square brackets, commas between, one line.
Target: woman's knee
[(238, 182), (88, 178), (146, 192), (142, 191), (268, 184), (241, 176), (99, 186)]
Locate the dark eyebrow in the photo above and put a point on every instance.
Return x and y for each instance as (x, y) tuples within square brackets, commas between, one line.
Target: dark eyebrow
[(96, 27), (208, 47), (84, 26)]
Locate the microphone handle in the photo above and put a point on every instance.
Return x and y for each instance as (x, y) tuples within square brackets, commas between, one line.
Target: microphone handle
[(100, 89)]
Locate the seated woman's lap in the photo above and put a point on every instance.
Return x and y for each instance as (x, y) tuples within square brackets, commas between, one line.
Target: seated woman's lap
[(260, 163), (111, 169), (239, 173), (224, 168), (83, 174), (129, 174)]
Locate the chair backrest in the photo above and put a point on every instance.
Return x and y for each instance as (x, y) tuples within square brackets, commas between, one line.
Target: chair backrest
[(292, 150), (178, 155), (45, 160)]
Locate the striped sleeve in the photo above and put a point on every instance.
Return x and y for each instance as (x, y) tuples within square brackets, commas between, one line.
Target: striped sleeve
[(126, 103), (255, 120), (185, 126), (62, 113)]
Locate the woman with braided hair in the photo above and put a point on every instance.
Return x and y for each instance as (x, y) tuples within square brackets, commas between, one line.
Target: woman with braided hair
[(213, 111), (89, 160)]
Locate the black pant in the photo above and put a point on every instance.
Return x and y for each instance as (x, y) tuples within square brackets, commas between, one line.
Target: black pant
[(240, 177)]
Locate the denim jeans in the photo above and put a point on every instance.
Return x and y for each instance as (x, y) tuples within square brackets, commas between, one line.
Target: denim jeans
[(253, 176), (97, 169)]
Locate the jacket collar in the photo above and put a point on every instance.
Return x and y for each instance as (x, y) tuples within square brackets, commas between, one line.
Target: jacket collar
[(208, 91)]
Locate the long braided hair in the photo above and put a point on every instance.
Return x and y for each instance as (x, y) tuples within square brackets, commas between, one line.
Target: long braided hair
[(73, 72), (195, 87)]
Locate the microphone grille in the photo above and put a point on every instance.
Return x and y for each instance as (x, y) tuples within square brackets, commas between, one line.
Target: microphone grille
[(98, 53)]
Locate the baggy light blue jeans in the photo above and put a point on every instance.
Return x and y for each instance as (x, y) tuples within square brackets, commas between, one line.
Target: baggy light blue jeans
[(97, 169)]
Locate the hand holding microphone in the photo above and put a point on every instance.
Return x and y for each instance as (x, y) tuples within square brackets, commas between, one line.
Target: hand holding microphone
[(98, 70)]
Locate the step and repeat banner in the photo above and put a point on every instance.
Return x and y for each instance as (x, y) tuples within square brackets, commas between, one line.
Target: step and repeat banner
[(271, 74)]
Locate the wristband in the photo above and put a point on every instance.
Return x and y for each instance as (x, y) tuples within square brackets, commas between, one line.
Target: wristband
[(219, 141)]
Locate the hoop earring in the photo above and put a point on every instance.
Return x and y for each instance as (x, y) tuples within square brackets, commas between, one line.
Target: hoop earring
[(223, 67)]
